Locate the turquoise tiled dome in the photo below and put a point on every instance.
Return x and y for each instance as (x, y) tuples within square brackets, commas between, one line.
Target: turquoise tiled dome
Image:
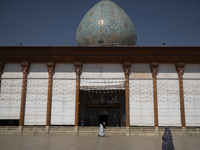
[(106, 24)]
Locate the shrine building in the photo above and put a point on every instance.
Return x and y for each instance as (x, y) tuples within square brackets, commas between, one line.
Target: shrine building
[(106, 77)]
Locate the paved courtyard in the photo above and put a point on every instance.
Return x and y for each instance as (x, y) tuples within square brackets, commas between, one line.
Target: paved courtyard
[(14, 142)]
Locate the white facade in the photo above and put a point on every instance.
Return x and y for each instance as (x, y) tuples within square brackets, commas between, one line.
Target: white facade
[(63, 95), (36, 95), (141, 96), (101, 77), (191, 82), (10, 94), (168, 96)]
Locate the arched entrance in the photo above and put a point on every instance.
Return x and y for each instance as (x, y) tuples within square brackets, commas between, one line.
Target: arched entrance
[(96, 106)]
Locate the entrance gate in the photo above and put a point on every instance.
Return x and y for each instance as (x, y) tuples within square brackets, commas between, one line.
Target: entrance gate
[(98, 106)]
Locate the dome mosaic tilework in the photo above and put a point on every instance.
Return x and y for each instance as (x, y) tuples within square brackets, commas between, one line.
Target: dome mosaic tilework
[(106, 24)]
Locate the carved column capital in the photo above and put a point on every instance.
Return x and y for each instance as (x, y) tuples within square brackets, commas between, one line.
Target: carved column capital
[(51, 66), (154, 69), (78, 68), (25, 68), (180, 69), (126, 67)]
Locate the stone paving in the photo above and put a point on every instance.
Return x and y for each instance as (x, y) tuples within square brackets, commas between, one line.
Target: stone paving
[(16, 142)]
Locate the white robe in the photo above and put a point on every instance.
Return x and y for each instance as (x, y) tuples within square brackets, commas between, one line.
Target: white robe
[(101, 131)]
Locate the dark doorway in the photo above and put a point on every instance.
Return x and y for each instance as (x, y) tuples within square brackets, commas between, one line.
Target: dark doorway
[(100, 105), (103, 118)]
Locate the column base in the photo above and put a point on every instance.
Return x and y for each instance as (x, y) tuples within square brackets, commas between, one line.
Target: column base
[(184, 131), (156, 129), (20, 129), (76, 130), (47, 129), (127, 131)]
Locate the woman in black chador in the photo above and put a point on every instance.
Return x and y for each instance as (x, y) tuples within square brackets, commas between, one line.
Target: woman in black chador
[(167, 143)]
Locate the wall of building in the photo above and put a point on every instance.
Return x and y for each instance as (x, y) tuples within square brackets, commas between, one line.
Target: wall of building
[(191, 87), (63, 95), (103, 77), (10, 92), (36, 95), (168, 96), (141, 96)]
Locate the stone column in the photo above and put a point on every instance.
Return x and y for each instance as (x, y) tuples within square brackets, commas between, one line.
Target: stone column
[(51, 67), (25, 69), (78, 68), (154, 71), (1, 72), (180, 71), (126, 67)]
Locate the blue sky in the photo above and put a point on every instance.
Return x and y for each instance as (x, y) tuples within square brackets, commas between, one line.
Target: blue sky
[(54, 22)]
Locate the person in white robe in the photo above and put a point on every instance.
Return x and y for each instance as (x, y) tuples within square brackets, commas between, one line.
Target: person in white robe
[(101, 131)]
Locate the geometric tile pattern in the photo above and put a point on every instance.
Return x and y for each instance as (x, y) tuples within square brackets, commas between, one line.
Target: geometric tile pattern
[(106, 24)]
